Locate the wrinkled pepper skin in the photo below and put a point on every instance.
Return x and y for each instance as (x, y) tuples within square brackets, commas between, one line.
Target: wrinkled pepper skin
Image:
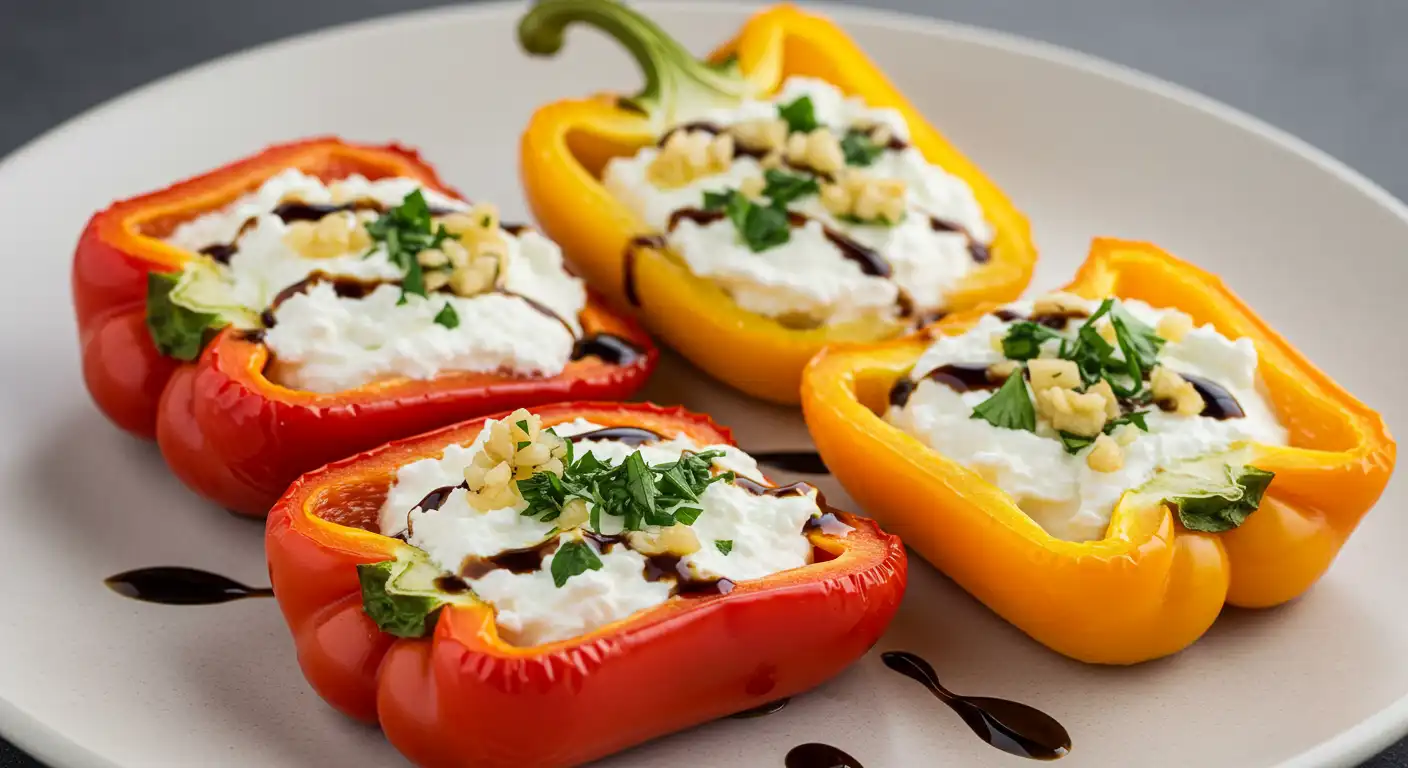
[(226, 430), (463, 697), (566, 146), (1150, 587), (122, 368)]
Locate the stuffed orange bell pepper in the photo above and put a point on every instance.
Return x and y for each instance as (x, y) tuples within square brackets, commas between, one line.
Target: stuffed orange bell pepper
[(757, 206), (1105, 467), (630, 576), (310, 302)]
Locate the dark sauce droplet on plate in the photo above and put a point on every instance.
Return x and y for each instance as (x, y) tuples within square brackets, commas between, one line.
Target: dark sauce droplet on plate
[(816, 755), (772, 707), (1010, 726), (802, 462), (176, 585)]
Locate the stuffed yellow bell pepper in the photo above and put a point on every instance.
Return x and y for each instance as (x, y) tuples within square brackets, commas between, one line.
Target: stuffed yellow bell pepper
[(755, 207), (1108, 466)]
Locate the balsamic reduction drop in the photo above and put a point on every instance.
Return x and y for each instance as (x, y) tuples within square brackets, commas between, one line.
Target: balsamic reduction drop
[(628, 263), (802, 462), (1010, 726), (221, 252), (612, 350), (1218, 403), (815, 755), (772, 707), (175, 585)]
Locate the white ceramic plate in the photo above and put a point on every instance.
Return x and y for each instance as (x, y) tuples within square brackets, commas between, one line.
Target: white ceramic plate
[(91, 679)]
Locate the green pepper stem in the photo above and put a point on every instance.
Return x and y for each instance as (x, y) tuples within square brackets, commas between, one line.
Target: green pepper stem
[(678, 86)]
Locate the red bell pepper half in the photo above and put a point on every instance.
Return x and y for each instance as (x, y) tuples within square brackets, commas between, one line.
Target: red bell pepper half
[(462, 696), (225, 429)]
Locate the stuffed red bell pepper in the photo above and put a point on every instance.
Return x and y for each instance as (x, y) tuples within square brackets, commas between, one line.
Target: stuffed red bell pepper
[(548, 587), (321, 298)]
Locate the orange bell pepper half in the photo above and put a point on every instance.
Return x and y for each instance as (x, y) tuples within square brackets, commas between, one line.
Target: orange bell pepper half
[(1150, 587), (226, 429), (567, 144), (463, 696)]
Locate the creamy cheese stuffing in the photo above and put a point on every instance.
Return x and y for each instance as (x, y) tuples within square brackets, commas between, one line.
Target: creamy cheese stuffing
[(809, 276), (766, 535), (1059, 490), (323, 342)]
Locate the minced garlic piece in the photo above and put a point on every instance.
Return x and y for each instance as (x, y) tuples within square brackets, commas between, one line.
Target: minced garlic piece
[(333, 235), (1059, 303), (760, 135), (1174, 325), (517, 447), (819, 150), (1105, 455), (859, 195), (1112, 403), (477, 255), (1000, 371), (1175, 393), (689, 155), (1050, 372)]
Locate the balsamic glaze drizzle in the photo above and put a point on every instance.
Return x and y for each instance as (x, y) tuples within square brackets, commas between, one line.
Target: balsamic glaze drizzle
[(175, 585), (632, 436), (1218, 403), (960, 377), (1010, 726), (816, 755)]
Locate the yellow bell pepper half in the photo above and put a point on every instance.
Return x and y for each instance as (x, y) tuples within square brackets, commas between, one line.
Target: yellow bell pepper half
[(568, 143), (1150, 587)]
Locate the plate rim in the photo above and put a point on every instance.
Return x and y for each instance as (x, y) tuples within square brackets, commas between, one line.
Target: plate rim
[(1350, 746)]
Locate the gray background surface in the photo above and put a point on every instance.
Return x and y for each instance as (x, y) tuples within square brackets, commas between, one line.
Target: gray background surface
[(1333, 72)]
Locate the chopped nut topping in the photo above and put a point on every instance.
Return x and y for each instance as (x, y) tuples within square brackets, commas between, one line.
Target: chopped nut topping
[(1174, 325), (1112, 403), (819, 150), (689, 155), (1175, 393), (333, 235), (859, 195), (432, 258), (1058, 303), (676, 539), (434, 281), (1050, 372), (752, 187), (1070, 411), (1105, 455), (574, 515), (477, 255), (1000, 371), (1126, 434), (760, 135), (512, 453)]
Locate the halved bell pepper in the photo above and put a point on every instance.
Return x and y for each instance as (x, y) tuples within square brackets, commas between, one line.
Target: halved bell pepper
[(225, 429), (462, 696), (1150, 587), (567, 144)]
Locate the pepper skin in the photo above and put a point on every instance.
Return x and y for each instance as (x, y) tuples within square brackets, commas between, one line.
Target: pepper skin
[(567, 144), (227, 431), (462, 696), (1150, 587)]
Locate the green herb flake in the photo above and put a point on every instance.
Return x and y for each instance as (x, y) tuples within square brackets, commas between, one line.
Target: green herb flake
[(1023, 340), (1074, 443), (783, 187), (448, 317), (1010, 407), (800, 115), (572, 559), (176, 331), (859, 149), (1137, 418), (724, 546), (405, 231), (1223, 508), (759, 226)]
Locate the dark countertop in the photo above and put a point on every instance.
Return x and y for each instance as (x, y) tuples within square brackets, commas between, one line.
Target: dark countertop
[(1330, 73)]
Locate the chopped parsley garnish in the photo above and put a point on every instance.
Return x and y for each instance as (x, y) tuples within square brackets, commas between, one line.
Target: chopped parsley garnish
[(1139, 343), (405, 231), (176, 331), (447, 316), (724, 545), (860, 149), (1073, 443), (639, 493), (783, 187), (759, 226), (800, 115), (571, 559), (1223, 508), (1009, 407), (1023, 340)]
